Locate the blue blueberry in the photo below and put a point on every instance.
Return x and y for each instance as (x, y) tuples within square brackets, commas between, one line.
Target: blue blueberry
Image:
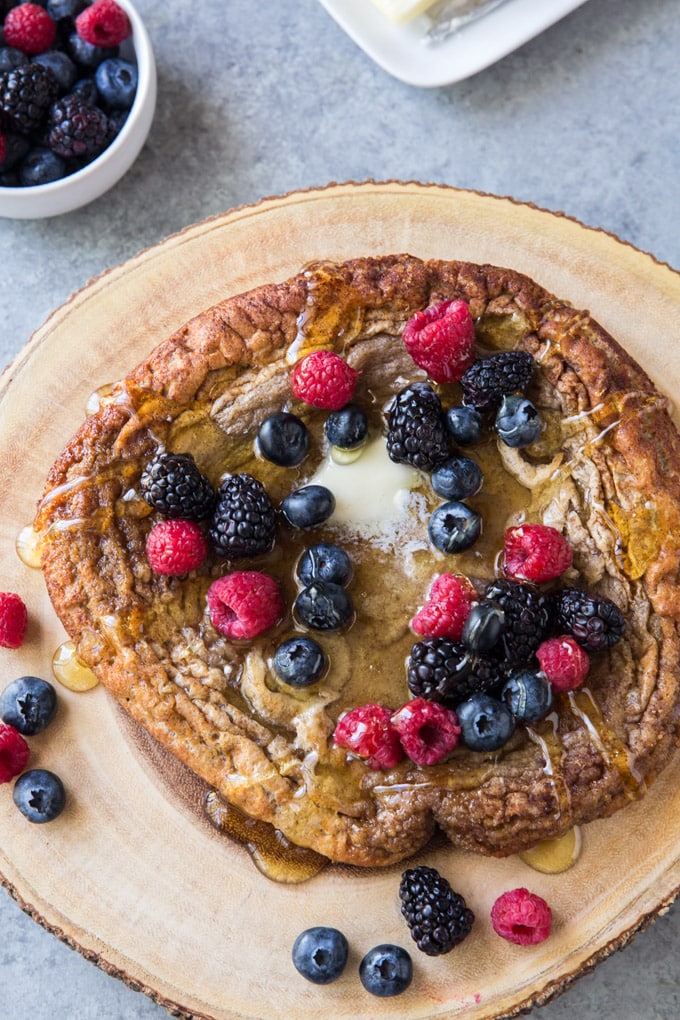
[(282, 439), (464, 424), (483, 627), (11, 58), (39, 795), (457, 478), (454, 527), (346, 428), (61, 9), (324, 562), (308, 507), (87, 55), (61, 66), (28, 704), (87, 89), (320, 954), (324, 606), (15, 149), (116, 83), (518, 423), (386, 970), (300, 662), (486, 722), (41, 166), (528, 696)]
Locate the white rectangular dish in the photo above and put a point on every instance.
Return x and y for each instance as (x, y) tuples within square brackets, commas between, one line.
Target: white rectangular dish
[(402, 51)]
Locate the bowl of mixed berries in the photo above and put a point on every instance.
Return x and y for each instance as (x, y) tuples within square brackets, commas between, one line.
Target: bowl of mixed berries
[(77, 98)]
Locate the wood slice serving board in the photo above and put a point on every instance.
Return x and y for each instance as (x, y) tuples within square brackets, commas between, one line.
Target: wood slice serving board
[(129, 874)]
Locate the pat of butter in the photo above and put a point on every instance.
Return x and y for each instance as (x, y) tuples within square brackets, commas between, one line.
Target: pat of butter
[(403, 10)]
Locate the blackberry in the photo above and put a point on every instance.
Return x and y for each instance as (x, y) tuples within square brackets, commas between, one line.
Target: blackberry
[(26, 94), (244, 519), (527, 619), (490, 379), (172, 484), (438, 917), (417, 432), (445, 671), (76, 129), (594, 621)]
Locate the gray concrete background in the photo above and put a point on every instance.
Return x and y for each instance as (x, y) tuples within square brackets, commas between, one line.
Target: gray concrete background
[(261, 98)]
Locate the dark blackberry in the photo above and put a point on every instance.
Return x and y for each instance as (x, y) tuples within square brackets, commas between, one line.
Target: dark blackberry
[(244, 519), (594, 621), (438, 917), (76, 129), (417, 432), (490, 379), (172, 484), (26, 94), (445, 671), (527, 619)]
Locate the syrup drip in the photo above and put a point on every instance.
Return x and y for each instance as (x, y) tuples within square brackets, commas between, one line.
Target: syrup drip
[(273, 855), (29, 547), (546, 737), (612, 749), (331, 313), (71, 671), (95, 400), (553, 856)]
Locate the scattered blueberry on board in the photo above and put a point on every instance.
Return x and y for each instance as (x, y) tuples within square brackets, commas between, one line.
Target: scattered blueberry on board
[(320, 954), (40, 796), (28, 704), (65, 91), (386, 970)]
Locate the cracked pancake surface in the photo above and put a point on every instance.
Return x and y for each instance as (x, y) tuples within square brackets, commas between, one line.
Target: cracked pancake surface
[(606, 476)]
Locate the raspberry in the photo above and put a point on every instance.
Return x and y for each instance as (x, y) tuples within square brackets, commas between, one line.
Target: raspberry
[(13, 618), (29, 28), (417, 432), (104, 24), (323, 379), (368, 732), (535, 552), (438, 918), (76, 129), (447, 608), (175, 547), (441, 340), (596, 622), (427, 730), (244, 604), (521, 917), (564, 663), (14, 753)]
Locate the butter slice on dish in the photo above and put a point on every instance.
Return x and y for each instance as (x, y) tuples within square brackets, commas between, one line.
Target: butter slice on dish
[(403, 10)]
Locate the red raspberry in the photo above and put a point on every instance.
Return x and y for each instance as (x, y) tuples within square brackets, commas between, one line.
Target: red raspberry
[(441, 340), (535, 552), (104, 23), (521, 917), (14, 753), (244, 604), (368, 732), (29, 28), (427, 730), (564, 663), (13, 619), (447, 608), (324, 379), (175, 547)]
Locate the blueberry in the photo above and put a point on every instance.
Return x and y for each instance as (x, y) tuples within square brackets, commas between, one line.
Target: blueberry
[(386, 970), (61, 66), (346, 428), (320, 954), (299, 661), (282, 439), (87, 89), (309, 506), (483, 627), (324, 606), (28, 704), (464, 424), (87, 55), (528, 695), (41, 166), (486, 722), (60, 9), (116, 83), (15, 149), (10, 58), (39, 795), (518, 423), (324, 562), (454, 527), (457, 478)]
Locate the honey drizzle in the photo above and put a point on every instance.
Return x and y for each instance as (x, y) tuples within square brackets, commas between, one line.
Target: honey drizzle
[(29, 546), (583, 705), (332, 312), (546, 737)]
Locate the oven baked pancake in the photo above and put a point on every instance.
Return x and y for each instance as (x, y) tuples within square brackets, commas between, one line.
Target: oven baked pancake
[(603, 473)]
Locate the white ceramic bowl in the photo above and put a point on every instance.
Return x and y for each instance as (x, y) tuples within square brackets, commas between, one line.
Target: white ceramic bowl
[(102, 173)]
